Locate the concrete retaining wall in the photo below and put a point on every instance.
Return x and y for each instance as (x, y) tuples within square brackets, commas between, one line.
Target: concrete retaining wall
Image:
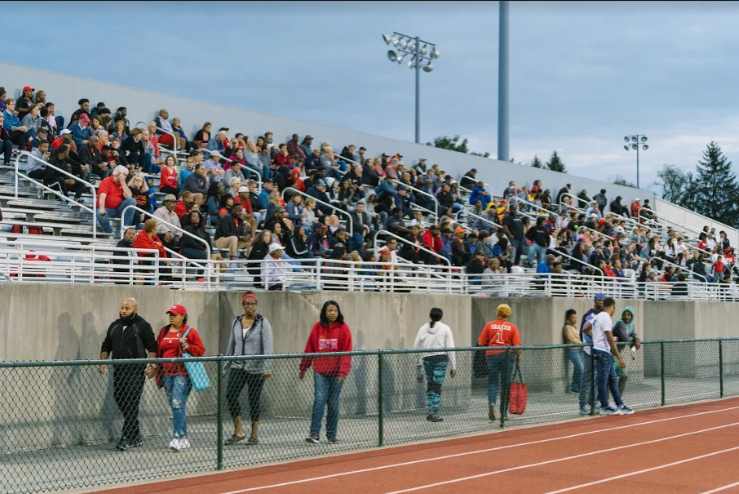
[(55, 322)]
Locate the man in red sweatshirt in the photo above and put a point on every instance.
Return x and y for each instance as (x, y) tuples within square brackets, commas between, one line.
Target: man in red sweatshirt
[(329, 335)]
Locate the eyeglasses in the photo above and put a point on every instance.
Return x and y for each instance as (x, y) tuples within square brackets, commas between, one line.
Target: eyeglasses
[(250, 304)]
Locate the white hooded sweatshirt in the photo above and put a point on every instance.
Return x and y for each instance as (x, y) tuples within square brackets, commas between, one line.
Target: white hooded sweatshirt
[(437, 338)]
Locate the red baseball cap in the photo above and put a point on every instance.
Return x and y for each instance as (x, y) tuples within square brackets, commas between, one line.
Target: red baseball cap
[(28, 88), (177, 310)]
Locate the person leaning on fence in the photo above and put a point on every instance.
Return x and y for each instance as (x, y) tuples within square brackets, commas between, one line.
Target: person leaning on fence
[(329, 335), (499, 333), (251, 334), (587, 363), (129, 337), (604, 352), (624, 333), (173, 340), (571, 336), (436, 337)]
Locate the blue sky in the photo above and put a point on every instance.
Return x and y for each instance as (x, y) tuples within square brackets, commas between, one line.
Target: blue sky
[(583, 75)]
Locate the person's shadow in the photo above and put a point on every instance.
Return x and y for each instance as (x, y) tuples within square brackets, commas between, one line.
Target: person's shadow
[(64, 381), (361, 378), (390, 363)]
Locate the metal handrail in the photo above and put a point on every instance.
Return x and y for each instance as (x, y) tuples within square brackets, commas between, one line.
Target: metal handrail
[(468, 213), (351, 223), (150, 215), (420, 247), (422, 192), (45, 187)]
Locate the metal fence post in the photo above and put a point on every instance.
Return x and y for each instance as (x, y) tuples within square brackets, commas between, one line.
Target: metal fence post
[(591, 398), (721, 367), (380, 403), (219, 427), (504, 391), (662, 370)]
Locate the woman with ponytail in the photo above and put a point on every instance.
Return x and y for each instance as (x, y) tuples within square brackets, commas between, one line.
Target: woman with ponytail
[(436, 337), (251, 334)]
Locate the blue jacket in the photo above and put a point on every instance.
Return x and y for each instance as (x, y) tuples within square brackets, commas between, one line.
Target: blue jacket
[(383, 188), (79, 134), (264, 199), (477, 196), (543, 268), (11, 121)]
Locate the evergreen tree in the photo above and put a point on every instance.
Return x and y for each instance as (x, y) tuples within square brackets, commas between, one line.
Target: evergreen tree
[(536, 163), (454, 144), (555, 163), (715, 192)]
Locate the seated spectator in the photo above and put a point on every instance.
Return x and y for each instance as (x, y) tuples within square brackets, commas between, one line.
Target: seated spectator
[(202, 136), (197, 183), (431, 239), (6, 142), (81, 130), (163, 127), (219, 142), (132, 152), (231, 232), (213, 168), (120, 130), (298, 247), (18, 133), (151, 153), (480, 194), (318, 242), (140, 192), (32, 120), (148, 239), (276, 274), (169, 222), (25, 102), (113, 197), (234, 171), (197, 247), (92, 157), (84, 109)]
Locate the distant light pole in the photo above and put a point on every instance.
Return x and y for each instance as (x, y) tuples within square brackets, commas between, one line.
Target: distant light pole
[(503, 136), (408, 45), (635, 142)]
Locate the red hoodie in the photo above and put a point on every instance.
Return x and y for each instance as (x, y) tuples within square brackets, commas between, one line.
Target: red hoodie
[(335, 338)]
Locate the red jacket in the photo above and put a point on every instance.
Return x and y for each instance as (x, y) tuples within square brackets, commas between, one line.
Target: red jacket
[(143, 241), (334, 338), (282, 160), (195, 348), (431, 242)]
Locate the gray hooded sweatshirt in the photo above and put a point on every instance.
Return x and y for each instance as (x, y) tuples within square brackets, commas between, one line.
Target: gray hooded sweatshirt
[(257, 341)]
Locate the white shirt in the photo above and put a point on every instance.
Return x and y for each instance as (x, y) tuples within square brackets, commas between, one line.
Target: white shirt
[(436, 339), (601, 324), (244, 331)]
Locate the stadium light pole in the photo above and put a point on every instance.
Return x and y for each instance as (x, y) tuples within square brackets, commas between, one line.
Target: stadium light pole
[(634, 142), (503, 150), (409, 45)]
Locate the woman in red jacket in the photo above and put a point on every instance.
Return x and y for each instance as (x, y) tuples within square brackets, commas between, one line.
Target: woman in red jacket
[(174, 339), (168, 178), (329, 335)]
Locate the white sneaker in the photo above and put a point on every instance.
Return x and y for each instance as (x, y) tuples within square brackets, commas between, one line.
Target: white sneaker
[(175, 445), (184, 443)]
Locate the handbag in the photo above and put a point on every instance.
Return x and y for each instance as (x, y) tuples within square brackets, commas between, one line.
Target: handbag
[(196, 371), (518, 393)]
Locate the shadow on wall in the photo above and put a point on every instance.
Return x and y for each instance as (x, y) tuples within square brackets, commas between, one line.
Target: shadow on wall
[(64, 379)]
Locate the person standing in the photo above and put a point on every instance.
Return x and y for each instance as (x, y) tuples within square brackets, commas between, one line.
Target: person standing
[(436, 337), (499, 333), (173, 340), (129, 337), (571, 336), (251, 334), (329, 335), (625, 334), (604, 351), (587, 376)]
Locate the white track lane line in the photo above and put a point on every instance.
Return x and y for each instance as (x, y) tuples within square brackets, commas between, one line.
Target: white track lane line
[(646, 470), (467, 453), (719, 489), (574, 457)]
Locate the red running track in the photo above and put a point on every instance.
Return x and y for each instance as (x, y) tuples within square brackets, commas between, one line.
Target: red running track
[(690, 449)]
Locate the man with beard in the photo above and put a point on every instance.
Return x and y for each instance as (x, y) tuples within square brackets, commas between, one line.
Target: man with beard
[(129, 337)]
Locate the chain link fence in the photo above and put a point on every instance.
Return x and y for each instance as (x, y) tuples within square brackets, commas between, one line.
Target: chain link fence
[(61, 422)]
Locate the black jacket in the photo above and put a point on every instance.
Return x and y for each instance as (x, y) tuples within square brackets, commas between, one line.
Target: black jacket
[(130, 151), (90, 155), (197, 184), (131, 340), (227, 228), (53, 175)]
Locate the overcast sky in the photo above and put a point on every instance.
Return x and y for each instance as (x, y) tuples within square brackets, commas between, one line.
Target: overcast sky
[(583, 75)]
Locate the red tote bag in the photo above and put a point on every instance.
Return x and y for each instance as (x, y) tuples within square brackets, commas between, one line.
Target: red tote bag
[(518, 393)]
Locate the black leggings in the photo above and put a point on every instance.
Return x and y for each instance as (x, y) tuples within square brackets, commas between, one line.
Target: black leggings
[(170, 190), (237, 379)]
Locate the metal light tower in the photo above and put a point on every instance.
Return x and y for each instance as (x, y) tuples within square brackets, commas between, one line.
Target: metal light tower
[(407, 45), (635, 142), (503, 83)]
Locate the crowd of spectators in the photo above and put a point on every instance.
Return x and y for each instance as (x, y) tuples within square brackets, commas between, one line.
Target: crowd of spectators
[(236, 185)]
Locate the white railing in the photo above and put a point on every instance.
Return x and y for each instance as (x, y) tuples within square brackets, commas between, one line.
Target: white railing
[(58, 194), (93, 266)]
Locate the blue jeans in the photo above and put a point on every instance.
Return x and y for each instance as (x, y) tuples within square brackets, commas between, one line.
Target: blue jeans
[(128, 219), (517, 249), (585, 379), (355, 242), (178, 390), (496, 373), (605, 379), (575, 356), (535, 250), (327, 390), (147, 166)]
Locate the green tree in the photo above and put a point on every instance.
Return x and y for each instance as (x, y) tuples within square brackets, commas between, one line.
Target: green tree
[(556, 164), (715, 192), (454, 144), (536, 163), (621, 180)]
